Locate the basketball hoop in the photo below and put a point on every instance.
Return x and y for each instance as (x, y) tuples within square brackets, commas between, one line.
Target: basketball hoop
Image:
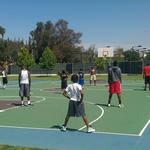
[(105, 53)]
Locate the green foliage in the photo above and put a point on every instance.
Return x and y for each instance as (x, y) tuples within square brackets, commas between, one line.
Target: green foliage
[(147, 56), (57, 37), (9, 50), (101, 63), (2, 31), (118, 59), (87, 77), (91, 54), (48, 59), (8, 147), (24, 58), (131, 55)]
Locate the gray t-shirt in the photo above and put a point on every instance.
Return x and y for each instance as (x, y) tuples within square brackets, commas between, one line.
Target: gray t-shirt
[(114, 74)]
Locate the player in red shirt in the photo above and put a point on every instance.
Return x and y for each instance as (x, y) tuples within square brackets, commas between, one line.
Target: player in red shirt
[(146, 76)]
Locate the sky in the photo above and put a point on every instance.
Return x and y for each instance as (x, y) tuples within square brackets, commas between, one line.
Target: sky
[(115, 23)]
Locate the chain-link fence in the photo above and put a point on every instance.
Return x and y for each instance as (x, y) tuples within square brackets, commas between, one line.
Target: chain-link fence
[(129, 67)]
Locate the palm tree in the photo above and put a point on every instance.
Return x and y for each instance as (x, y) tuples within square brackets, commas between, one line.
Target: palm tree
[(2, 31)]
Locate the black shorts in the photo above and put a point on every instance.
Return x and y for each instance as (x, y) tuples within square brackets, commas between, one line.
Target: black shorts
[(5, 81), (76, 109), (147, 79), (63, 84)]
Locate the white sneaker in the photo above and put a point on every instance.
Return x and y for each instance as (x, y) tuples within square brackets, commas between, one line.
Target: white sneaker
[(29, 103), (90, 130), (108, 105), (63, 128), (22, 103), (120, 105)]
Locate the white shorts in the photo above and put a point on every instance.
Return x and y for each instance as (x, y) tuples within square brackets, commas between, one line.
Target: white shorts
[(93, 77)]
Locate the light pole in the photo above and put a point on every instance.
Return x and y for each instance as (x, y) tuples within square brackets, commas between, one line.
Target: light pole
[(137, 48), (143, 56)]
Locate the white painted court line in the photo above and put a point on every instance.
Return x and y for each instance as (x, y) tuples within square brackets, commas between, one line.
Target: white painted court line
[(144, 128), (100, 116), (30, 128), (109, 133), (140, 134), (51, 129), (121, 134), (41, 97), (54, 129), (39, 101)]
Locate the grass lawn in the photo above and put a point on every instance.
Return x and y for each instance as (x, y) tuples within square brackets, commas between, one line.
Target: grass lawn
[(87, 77), (8, 147)]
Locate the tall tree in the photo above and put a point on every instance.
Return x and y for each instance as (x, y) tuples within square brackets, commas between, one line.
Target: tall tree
[(66, 36), (9, 50), (118, 52), (91, 54), (37, 36), (101, 63), (57, 37), (48, 59), (118, 55), (24, 58), (67, 42), (49, 35), (2, 31), (131, 55)]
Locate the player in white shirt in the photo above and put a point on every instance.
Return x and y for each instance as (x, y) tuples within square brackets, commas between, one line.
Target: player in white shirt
[(4, 78), (24, 84), (75, 94)]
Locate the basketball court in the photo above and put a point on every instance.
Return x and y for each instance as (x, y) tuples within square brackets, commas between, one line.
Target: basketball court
[(39, 125)]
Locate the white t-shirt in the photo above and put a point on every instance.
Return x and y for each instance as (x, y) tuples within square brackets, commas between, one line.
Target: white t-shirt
[(74, 91), (24, 77), (3, 73)]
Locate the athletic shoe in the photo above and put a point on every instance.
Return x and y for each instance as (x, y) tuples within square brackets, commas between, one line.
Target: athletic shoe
[(29, 103), (108, 105), (63, 128), (23, 104), (90, 130), (120, 105)]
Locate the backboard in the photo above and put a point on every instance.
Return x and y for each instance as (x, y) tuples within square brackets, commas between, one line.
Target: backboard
[(106, 52)]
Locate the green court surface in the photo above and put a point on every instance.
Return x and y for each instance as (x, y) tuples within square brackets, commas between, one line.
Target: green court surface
[(50, 108)]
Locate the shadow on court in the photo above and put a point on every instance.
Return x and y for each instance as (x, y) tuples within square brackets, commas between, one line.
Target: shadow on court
[(68, 129), (139, 89), (105, 105)]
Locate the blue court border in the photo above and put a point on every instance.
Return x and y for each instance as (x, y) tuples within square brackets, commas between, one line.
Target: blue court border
[(73, 140)]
